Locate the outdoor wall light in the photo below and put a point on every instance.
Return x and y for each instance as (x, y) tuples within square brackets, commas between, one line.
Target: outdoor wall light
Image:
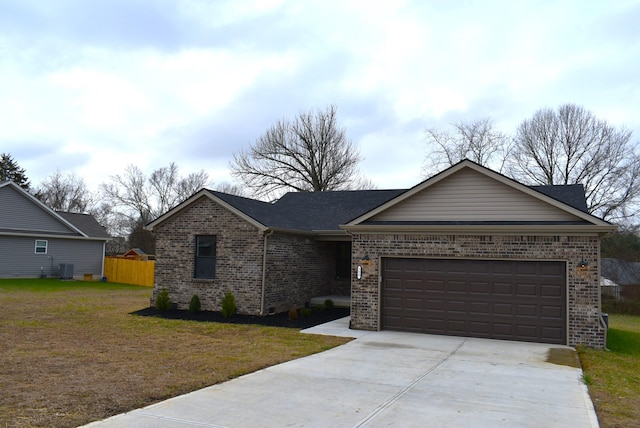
[(365, 258), (583, 264)]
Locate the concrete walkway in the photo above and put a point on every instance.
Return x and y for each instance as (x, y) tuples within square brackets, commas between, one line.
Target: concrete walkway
[(389, 379)]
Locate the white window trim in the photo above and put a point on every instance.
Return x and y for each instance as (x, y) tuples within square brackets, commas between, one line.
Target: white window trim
[(46, 246)]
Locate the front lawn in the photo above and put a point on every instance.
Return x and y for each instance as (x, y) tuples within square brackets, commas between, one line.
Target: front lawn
[(613, 376), (72, 353)]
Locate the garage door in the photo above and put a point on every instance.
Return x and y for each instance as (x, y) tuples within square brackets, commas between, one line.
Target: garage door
[(512, 300)]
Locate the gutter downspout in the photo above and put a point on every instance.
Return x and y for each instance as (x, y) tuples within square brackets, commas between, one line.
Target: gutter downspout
[(267, 233), (104, 251)]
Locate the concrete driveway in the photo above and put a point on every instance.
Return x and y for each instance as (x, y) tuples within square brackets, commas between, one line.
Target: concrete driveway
[(389, 379)]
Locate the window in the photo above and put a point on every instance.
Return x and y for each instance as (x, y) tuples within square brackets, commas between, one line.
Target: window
[(343, 260), (41, 246), (205, 263)]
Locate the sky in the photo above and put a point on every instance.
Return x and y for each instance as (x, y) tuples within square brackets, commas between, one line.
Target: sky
[(89, 87)]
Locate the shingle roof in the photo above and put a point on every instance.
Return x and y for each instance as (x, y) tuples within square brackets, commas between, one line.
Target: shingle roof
[(570, 194), (621, 271), (317, 211), (307, 211), (86, 223)]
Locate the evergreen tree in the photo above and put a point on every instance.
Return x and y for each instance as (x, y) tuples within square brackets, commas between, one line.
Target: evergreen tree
[(10, 170)]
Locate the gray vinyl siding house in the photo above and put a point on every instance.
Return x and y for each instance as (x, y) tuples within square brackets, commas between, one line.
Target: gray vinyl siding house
[(35, 240), (467, 252)]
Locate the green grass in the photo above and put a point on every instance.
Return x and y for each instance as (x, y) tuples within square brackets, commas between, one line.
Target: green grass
[(72, 353), (613, 375)]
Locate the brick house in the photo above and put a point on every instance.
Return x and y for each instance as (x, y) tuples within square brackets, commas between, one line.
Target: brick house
[(466, 252)]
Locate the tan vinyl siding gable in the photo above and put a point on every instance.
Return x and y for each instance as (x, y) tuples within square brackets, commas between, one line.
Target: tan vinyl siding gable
[(468, 195)]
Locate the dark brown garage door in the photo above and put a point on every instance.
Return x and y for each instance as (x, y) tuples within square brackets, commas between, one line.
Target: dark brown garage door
[(512, 300)]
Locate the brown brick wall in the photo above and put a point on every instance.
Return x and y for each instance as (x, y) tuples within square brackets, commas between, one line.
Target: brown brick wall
[(298, 268), (583, 288), (238, 259)]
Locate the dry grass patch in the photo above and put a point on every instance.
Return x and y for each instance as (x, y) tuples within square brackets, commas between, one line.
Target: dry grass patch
[(613, 376), (72, 354)]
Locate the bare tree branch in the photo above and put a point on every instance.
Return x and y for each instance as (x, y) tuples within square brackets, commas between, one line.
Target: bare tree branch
[(136, 198), (66, 193), (570, 145), (309, 153), (477, 140)]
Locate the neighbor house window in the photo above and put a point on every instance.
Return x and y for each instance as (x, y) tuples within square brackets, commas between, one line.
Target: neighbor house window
[(343, 260), (41, 246), (205, 264)]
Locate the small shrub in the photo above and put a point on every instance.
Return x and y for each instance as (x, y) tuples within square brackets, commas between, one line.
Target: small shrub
[(162, 300), (293, 314), (194, 304), (328, 304), (228, 304), (305, 312)]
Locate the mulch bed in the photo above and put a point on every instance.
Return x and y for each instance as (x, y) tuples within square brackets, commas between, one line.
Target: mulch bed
[(278, 320)]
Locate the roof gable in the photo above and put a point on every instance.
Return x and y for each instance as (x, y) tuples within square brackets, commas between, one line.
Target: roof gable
[(21, 212), (469, 195), (250, 210), (468, 192)]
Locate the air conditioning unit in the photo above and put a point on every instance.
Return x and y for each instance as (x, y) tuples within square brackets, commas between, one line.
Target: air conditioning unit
[(65, 271)]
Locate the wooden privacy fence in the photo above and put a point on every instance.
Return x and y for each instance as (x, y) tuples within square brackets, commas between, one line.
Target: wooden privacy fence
[(128, 271)]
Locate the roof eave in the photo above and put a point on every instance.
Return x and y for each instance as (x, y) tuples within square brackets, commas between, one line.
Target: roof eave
[(48, 235), (587, 229)]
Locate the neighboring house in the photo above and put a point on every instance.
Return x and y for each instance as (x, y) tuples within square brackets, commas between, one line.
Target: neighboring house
[(137, 254), (466, 252), (35, 240), (622, 272)]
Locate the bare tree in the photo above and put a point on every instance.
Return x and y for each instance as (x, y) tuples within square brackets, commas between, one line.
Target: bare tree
[(231, 188), (476, 140), (66, 193), (570, 146), (309, 153), (138, 198)]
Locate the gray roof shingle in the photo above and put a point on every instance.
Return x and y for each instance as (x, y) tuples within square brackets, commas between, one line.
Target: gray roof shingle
[(86, 223)]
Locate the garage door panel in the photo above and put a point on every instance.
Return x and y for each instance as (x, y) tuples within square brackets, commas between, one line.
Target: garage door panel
[(503, 309), (553, 332), (415, 304), (553, 312), (483, 308), (435, 285), (394, 284), (501, 288), (550, 291), (527, 290), (511, 300), (413, 285), (456, 287)]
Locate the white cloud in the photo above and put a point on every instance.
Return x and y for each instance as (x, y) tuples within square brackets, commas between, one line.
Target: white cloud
[(197, 79)]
